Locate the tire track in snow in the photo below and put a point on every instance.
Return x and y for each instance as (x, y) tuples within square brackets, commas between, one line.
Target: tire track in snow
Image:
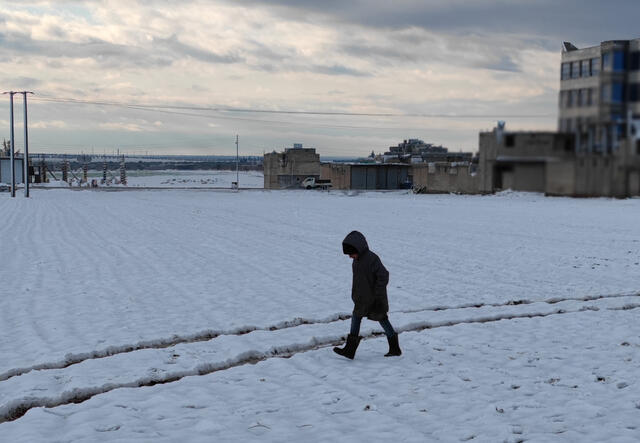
[(73, 359), (551, 301), (207, 335), (15, 409)]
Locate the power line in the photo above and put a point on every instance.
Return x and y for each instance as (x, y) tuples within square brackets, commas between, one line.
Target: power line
[(287, 112), (164, 110)]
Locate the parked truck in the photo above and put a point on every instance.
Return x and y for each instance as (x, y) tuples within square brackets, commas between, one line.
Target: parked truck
[(314, 183)]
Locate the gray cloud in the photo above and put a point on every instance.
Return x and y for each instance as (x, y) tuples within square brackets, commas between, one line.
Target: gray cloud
[(164, 52), (105, 53), (22, 82), (318, 69), (480, 54), (338, 70), (546, 22), (503, 63), (176, 47), (368, 51), (288, 59), (262, 51)]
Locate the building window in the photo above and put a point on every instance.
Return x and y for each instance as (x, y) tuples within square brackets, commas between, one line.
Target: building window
[(575, 97), (569, 97), (575, 69), (634, 61), (568, 144), (619, 61), (565, 71), (634, 92), (510, 141), (585, 68), (607, 61), (585, 97), (595, 66), (589, 96), (617, 92)]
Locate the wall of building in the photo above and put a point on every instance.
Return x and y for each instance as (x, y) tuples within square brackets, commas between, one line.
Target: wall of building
[(517, 160), (5, 170), (597, 175), (370, 176), (338, 173), (594, 176), (445, 177), (519, 176), (379, 176), (560, 177), (289, 168)]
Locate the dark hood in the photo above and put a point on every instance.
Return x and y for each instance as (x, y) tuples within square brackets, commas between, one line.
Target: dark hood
[(357, 240)]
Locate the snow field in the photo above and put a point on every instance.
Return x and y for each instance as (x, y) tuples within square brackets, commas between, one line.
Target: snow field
[(568, 377), (108, 294), (197, 179), (173, 179), (155, 363)]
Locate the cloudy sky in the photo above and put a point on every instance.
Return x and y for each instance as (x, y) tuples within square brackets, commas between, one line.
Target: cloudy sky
[(346, 77)]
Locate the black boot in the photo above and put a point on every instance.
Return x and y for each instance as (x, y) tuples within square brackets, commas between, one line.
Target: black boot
[(394, 347), (349, 349)]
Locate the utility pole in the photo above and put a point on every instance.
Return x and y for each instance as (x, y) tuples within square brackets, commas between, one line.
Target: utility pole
[(12, 141), (237, 165), (25, 174)]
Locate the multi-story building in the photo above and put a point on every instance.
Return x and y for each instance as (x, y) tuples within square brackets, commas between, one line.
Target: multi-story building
[(289, 168), (415, 150), (599, 94), (523, 160)]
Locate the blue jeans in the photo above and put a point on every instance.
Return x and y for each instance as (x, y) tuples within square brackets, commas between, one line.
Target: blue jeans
[(385, 323)]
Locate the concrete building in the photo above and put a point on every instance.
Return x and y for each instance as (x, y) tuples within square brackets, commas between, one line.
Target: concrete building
[(518, 160), (599, 93), (446, 177), (415, 150), (289, 168), (592, 174), (547, 162), (371, 176)]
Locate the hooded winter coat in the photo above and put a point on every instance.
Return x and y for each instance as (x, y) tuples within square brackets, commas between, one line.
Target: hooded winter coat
[(370, 278)]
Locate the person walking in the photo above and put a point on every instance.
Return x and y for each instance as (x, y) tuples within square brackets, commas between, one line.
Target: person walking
[(369, 295)]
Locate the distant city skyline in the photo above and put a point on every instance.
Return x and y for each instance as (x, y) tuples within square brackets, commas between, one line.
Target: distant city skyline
[(346, 78)]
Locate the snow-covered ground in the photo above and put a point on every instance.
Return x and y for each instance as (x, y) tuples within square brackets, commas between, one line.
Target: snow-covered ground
[(187, 179), (200, 316), (172, 179)]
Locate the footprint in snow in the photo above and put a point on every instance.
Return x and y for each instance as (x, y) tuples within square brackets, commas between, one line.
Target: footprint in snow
[(108, 429)]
